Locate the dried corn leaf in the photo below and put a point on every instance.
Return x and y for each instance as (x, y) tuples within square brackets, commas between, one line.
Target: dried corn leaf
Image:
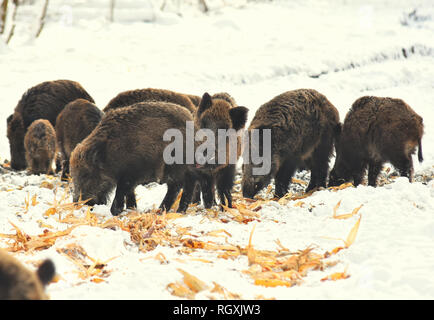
[(272, 283), (294, 180), (192, 282), (180, 290), (97, 280), (217, 233), (348, 215), (336, 276), (50, 212), (353, 233), (342, 186)]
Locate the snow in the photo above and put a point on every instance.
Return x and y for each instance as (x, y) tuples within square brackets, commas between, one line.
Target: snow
[(254, 51)]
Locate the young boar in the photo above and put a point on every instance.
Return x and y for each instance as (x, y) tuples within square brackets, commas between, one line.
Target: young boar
[(127, 149), (73, 124), (40, 146), (130, 97), (377, 130), (214, 114), (304, 126), (43, 101), (19, 283)]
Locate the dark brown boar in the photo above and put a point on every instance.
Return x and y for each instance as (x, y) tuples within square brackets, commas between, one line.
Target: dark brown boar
[(19, 283), (304, 126), (130, 97), (377, 130), (40, 146), (127, 149), (43, 101), (76, 121), (215, 113)]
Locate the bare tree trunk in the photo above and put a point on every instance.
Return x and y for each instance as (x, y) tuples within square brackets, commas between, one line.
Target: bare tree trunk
[(14, 14), (204, 6), (42, 20), (3, 15), (112, 10)]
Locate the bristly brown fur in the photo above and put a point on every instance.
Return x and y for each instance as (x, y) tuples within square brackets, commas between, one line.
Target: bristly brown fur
[(218, 112), (377, 130), (43, 101), (126, 149), (74, 124), (130, 97), (304, 126), (40, 146), (19, 283)]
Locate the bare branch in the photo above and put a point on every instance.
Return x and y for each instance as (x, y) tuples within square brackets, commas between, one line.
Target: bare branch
[(112, 10), (14, 15), (42, 20), (3, 15)]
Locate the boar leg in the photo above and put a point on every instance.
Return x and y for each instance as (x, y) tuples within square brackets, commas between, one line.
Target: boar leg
[(65, 169), (373, 172), (173, 188), (283, 176), (188, 191), (359, 172), (320, 164), (404, 164), (124, 190), (208, 189), (196, 193), (130, 199), (225, 182)]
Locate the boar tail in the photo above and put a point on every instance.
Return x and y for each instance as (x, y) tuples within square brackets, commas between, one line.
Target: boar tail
[(419, 154)]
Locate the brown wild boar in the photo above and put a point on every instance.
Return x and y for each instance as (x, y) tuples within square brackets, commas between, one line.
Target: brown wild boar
[(40, 146), (73, 124), (130, 97), (215, 113), (304, 126), (377, 130), (19, 283), (127, 149), (43, 101)]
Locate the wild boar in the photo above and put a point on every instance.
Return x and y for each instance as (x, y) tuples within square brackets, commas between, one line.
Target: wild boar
[(43, 101), (76, 121), (377, 130), (40, 146), (126, 149), (19, 283), (130, 97), (216, 114), (304, 126)]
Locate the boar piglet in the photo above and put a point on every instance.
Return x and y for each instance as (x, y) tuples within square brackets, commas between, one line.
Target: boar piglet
[(40, 147)]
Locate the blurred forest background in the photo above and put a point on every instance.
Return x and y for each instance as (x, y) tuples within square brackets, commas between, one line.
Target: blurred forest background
[(30, 15)]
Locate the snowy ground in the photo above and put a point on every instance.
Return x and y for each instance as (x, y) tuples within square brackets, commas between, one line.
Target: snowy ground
[(253, 51)]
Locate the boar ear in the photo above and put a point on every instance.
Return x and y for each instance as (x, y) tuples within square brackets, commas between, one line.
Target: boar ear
[(10, 118), (205, 103), (239, 117), (46, 272)]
